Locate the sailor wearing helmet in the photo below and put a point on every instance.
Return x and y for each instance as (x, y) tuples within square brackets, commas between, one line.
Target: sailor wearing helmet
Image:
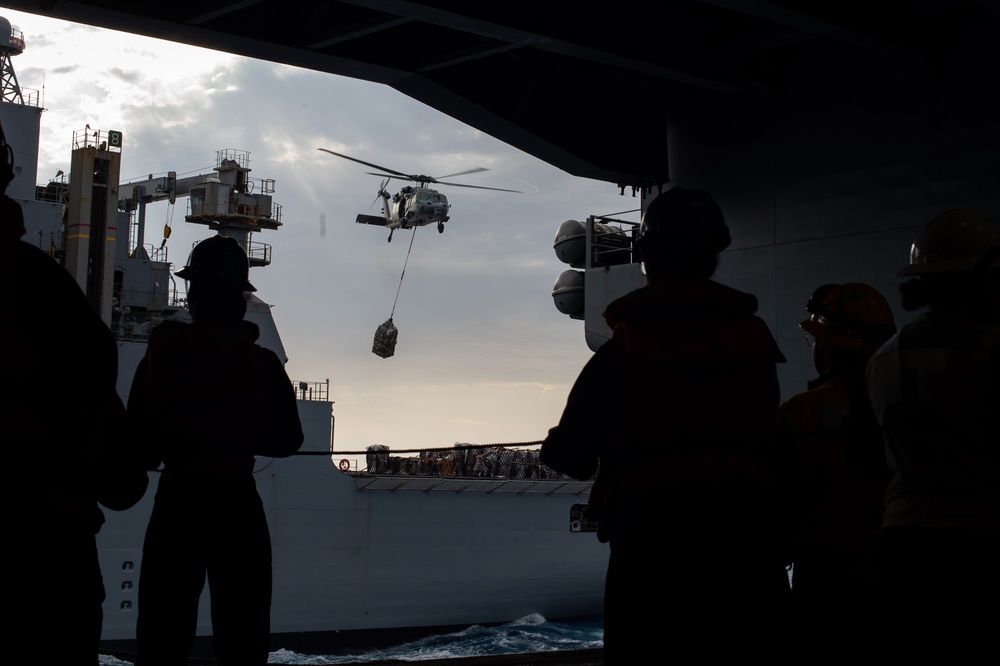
[(683, 493), (208, 399), (935, 390), (837, 474)]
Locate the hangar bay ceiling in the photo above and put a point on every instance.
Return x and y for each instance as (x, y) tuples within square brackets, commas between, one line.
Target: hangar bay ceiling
[(590, 88)]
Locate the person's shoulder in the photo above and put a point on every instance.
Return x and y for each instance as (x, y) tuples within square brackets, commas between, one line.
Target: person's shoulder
[(272, 366), (619, 309), (731, 299), (169, 328), (34, 263), (823, 391), (748, 337), (167, 334), (268, 356)]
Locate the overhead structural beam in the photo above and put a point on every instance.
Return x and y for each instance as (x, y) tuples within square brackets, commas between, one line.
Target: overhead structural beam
[(789, 18), (223, 11), (518, 38)]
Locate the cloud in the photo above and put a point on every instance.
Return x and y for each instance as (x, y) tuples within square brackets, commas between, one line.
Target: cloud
[(483, 355)]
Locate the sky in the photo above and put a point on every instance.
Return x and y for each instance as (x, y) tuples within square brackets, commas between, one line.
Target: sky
[(483, 356)]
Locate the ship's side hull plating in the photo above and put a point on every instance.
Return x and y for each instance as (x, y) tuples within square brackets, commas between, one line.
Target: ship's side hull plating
[(357, 552)]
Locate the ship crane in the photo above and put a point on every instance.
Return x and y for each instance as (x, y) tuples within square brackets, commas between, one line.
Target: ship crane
[(224, 201), (139, 193)]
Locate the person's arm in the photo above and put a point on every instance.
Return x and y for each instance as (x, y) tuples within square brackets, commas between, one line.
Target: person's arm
[(586, 428), (140, 421), (121, 467), (284, 429)]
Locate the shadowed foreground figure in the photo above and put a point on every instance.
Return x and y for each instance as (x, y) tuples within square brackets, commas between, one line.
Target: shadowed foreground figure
[(838, 475), (209, 399), (61, 424), (935, 387), (684, 493)]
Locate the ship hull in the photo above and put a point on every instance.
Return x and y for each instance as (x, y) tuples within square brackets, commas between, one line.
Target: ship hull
[(362, 555)]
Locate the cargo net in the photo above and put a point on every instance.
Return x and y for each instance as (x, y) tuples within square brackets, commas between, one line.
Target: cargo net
[(384, 344), (469, 461)]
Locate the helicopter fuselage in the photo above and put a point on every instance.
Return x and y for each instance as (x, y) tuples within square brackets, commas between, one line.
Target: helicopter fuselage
[(414, 207)]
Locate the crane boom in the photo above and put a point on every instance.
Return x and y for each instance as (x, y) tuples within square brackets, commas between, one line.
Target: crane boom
[(152, 189)]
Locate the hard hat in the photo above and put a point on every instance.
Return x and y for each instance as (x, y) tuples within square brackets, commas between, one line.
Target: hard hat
[(955, 241), (219, 260), (854, 316), (685, 215)]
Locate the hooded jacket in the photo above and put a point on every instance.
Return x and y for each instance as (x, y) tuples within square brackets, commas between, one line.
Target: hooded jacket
[(217, 398)]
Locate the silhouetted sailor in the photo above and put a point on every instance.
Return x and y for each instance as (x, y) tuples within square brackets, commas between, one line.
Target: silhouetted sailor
[(62, 424), (683, 493), (208, 399), (839, 474), (935, 390)]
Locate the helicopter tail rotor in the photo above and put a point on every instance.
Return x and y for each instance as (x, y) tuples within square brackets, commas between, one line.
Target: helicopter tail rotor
[(381, 192)]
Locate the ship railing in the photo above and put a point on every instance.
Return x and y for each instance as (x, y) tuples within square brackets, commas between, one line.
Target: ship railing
[(491, 486), (259, 254), (271, 213), (609, 245), (315, 391), (92, 137), (30, 97), (52, 244), (130, 329), (157, 253), (239, 157), (16, 39), (55, 191), (492, 461)]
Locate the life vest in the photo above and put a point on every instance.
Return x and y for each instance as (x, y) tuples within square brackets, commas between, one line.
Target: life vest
[(697, 369), (224, 399), (840, 474)]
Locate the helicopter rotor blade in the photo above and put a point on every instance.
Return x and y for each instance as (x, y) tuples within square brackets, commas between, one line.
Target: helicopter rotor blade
[(421, 179), (461, 173), (480, 187), (372, 173), (374, 166)]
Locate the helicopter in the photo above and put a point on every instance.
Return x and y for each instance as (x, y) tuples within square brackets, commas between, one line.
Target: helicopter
[(412, 206)]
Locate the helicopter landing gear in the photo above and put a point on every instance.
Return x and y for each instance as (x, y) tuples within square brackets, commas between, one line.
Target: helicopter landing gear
[(440, 227), (389, 240)]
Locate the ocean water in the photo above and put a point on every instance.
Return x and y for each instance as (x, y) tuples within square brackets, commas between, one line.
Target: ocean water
[(532, 633)]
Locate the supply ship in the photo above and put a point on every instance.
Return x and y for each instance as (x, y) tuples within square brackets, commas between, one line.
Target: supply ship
[(365, 543)]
